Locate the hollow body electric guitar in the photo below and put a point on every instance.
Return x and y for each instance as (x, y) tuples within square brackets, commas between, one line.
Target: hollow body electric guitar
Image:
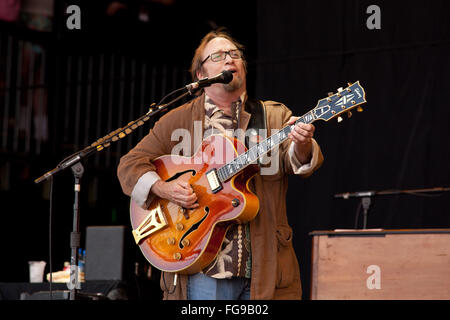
[(175, 239)]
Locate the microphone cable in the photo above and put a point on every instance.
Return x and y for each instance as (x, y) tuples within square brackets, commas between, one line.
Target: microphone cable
[(168, 95), (50, 258)]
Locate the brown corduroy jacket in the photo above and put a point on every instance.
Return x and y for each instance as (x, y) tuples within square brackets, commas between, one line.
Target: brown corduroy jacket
[(275, 270)]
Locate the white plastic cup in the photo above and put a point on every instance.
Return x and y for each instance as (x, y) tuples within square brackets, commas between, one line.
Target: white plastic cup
[(37, 270)]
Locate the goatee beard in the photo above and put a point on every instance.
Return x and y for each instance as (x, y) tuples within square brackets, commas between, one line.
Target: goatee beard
[(234, 85)]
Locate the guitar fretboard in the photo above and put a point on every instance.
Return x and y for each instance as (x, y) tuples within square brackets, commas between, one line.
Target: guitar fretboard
[(257, 151)]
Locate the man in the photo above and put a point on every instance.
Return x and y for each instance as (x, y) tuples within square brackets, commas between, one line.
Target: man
[(257, 260)]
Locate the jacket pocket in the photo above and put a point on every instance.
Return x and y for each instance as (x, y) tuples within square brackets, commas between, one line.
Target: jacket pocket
[(285, 265)]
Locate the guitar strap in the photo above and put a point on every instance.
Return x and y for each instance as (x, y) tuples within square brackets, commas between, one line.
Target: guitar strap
[(257, 109)]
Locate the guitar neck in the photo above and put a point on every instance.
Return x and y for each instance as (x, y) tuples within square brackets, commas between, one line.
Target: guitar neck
[(259, 150), (327, 108)]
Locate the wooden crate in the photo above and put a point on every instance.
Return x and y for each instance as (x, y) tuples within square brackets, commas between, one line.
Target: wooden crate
[(381, 264)]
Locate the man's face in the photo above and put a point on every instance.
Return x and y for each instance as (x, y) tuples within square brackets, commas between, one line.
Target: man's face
[(212, 68)]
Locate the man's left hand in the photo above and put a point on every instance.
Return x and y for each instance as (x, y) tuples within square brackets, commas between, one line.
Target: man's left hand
[(301, 136)]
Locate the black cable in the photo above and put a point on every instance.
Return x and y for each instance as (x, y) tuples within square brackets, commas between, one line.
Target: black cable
[(358, 210), (165, 285), (169, 94), (50, 237)]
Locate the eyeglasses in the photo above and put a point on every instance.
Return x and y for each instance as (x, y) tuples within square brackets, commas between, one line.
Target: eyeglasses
[(221, 55)]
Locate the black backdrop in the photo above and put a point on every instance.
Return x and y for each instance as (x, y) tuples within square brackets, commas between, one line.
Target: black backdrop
[(308, 48), (298, 51)]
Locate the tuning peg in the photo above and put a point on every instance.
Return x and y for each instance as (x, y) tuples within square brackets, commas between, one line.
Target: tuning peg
[(349, 84), (339, 119), (340, 89), (330, 94), (359, 109), (349, 114)]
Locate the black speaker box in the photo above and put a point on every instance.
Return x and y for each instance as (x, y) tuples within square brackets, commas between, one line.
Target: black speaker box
[(61, 295), (45, 295), (105, 252)]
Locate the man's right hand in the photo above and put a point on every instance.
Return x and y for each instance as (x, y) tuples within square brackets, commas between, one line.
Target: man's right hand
[(176, 191)]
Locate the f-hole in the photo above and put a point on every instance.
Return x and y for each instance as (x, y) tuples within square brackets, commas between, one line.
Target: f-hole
[(179, 174), (193, 227)]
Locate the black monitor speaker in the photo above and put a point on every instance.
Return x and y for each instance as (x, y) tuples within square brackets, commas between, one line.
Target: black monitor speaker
[(105, 252)]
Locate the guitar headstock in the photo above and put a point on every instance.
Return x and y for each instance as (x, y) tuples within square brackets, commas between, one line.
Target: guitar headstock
[(342, 101)]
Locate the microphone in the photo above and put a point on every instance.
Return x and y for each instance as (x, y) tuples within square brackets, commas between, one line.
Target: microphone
[(358, 194), (224, 77)]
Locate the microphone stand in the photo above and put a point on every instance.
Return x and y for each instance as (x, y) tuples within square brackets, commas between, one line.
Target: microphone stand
[(74, 162), (366, 197)]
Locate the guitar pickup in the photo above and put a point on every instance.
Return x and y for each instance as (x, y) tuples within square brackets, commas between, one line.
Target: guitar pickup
[(153, 222), (213, 180)]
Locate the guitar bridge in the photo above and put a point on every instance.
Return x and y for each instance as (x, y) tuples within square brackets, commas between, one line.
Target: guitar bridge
[(153, 222), (213, 181)]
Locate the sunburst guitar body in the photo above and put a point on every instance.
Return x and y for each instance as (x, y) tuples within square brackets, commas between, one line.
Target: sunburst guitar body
[(176, 239)]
